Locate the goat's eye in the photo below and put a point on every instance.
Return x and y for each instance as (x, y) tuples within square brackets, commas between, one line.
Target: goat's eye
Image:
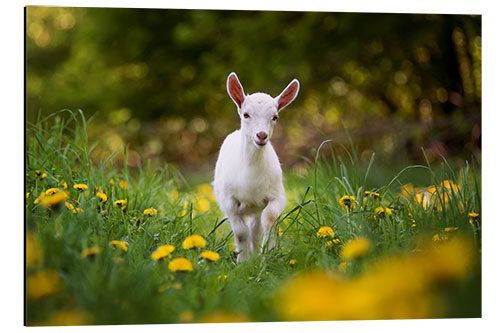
[(275, 118), (246, 115)]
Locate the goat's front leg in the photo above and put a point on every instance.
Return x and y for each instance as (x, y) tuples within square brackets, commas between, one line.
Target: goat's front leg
[(239, 227), (268, 218), (255, 233)]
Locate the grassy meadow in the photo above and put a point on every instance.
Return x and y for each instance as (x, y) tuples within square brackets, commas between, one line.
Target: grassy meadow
[(107, 245)]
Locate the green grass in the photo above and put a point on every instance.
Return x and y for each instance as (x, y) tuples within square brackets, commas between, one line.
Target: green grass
[(139, 290)]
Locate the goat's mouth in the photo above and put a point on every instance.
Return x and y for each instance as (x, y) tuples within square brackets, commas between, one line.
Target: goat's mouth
[(260, 143)]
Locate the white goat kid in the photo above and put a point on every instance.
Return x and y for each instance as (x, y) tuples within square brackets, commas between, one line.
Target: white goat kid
[(248, 178)]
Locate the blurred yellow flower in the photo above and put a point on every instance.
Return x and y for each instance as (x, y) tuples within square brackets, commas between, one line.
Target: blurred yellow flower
[(355, 248), (226, 317), (343, 266), (210, 255), (203, 204), (194, 241), (90, 252), (206, 190), (324, 232), (186, 317), (54, 199), (381, 211), (223, 277), (102, 196), (150, 211), (123, 184), (42, 283), (72, 317), (114, 244), (439, 237), (348, 202), (292, 262), (33, 250), (80, 187), (394, 287), (173, 196), (450, 229), (27, 195), (180, 264), (163, 252)]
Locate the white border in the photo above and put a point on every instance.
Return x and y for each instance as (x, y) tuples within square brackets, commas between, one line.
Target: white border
[(12, 129)]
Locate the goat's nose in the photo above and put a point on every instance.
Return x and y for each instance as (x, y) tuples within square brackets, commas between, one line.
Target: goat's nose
[(262, 135)]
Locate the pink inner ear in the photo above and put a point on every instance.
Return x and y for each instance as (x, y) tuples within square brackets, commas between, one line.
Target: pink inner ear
[(288, 95), (235, 90)]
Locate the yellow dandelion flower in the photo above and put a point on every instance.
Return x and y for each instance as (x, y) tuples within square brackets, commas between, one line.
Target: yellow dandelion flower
[(112, 181), (292, 262), (348, 202), (64, 184), (69, 206), (203, 205), (54, 199), (41, 284), (51, 191), (331, 242), (27, 195), (163, 252), (222, 277), (185, 206), (77, 210), (210, 255), (90, 252), (473, 214), (114, 244), (371, 194), (120, 202), (355, 248), (325, 232), (123, 184), (450, 229), (194, 241), (180, 264), (102, 196), (80, 187), (150, 212), (381, 211)]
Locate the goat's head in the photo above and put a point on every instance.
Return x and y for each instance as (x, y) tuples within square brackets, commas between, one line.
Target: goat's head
[(259, 111)]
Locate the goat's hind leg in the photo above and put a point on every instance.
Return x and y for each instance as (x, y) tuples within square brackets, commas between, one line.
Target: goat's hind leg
[(268, 220)]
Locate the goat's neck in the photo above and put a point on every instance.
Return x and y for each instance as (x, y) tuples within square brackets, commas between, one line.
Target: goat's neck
[(251, 154)]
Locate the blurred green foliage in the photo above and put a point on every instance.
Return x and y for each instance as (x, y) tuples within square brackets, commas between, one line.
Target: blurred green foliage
[(156, 79)]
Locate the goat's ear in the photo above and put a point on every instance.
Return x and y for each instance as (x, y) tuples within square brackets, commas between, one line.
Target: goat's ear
[(289, 94), (235, 89)]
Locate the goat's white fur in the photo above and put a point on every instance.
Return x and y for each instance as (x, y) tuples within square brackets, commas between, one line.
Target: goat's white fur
[(248, 178)]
